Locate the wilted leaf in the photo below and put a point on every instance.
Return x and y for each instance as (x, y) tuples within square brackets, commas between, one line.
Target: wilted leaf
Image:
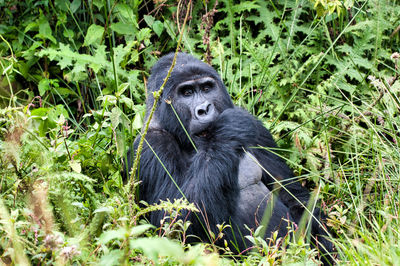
[(75, 166)]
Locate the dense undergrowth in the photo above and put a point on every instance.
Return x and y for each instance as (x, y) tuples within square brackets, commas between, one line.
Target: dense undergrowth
[(323, 75)]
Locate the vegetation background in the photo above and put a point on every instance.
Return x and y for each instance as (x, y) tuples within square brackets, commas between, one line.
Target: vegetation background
[(323, 75)]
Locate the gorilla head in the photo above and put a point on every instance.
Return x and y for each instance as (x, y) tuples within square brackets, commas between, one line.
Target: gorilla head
[(195, 91)]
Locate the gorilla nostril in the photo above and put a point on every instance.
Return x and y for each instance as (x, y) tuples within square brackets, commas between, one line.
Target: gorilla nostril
[(208, 108), (201, 112)]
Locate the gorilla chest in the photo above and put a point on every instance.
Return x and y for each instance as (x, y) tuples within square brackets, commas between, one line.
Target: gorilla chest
[(254, 195), (250, 172)]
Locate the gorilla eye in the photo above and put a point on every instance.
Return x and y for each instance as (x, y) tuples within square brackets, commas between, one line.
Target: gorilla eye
[(207, 86), (187, 91)]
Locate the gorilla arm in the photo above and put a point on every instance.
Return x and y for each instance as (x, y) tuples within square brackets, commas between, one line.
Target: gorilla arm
[(279, 176)]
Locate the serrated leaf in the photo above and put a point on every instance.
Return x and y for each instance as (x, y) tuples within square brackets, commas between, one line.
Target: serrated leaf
[(66, 56), (143, 34), (99, 59), (119, 54), (94, 34)]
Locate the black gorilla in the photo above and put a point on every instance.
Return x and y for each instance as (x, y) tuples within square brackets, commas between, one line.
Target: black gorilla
[(226, 176)]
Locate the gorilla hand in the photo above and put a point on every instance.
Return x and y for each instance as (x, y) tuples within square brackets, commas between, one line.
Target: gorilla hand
[(234, 126)]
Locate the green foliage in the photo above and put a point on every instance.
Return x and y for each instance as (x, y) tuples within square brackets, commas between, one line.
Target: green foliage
[(322, 75)]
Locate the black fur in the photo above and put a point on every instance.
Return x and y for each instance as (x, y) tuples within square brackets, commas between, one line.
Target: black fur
[(209, 177)]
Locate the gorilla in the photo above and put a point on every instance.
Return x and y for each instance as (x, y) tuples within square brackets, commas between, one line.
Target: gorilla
[(216, 154)]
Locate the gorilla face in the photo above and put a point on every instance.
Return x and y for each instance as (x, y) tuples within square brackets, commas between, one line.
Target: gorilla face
[(194, 90), (198, 97)]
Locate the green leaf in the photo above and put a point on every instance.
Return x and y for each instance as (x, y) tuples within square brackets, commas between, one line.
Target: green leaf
[(99, 59), (66, 56), (68, 34), (158, 27), (123, 28), (154, 247), (149, 20), (140, 229), (137, 122), (121, 89), (107, 236), (107, 100), (31, 26), (115, 117), (61, 4), (143, 34), (43, 86), (75, 5), (127, 101), (65, 91), (44, 29), (127, 14), (103, 209), (94, 35), (112, 258), (98, 3)]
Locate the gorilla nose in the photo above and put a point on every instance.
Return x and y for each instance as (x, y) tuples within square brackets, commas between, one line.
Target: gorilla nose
[(204, 111)]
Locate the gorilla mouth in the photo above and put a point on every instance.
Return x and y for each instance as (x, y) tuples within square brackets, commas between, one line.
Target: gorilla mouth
[(200, 129), (203, 134)]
